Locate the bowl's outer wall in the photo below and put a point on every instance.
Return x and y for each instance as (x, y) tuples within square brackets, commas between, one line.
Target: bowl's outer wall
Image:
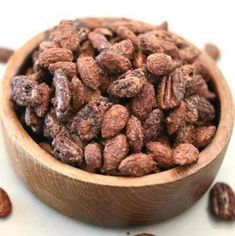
[(110, 205), (115, 201)]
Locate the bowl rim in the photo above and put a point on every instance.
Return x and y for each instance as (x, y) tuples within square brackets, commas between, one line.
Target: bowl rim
[(16, 131)]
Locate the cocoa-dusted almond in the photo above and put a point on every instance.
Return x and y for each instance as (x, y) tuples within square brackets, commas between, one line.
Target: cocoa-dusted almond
[(162, 154), (159, 64), (125, 33), (89, 72), (66, 35), (113, 63), (150, 44), (99, 41), (93, 155), (115, 150), (53, 55), (124, 48), (138, 164), (185, 154), (47, 44), (204, 135), (135, 134), (114, 121)]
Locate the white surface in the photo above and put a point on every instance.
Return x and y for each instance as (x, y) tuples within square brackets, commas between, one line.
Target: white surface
[(200, 21)]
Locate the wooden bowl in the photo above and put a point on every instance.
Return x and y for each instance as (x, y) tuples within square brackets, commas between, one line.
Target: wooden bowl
[(110, 200)]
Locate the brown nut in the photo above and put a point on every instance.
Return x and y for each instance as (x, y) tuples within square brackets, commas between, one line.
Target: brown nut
[(89, 72), (124, 48), (206, 111), (185, 154), (171, 90), (150, 44), (62, 94), (144, 102), (87, 122), (52, 126), (114, 121), (66, 35), (189, 54), (86, 50), (159, 64), (138, 164), (81, 94), (42, 107), (125, 33), (98, 41), (104, 31), (115, 151), (24, 91), (5, 204), (47, 44), (222, 202), (5, 54), (113, 63), (33, 121), (153, 125), (185, 134), (128, 86), (66, 150), (204, 135), (53, 55), (162, 154), (135, 134), (93, 155)]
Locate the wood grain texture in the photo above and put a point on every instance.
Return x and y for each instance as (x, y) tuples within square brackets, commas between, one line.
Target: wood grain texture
[(109, 200)]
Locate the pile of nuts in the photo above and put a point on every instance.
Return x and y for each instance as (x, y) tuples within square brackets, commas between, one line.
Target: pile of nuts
[(116, 97)]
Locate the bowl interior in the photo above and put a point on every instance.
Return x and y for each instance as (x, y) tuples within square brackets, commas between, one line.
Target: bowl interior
[(20, 60)]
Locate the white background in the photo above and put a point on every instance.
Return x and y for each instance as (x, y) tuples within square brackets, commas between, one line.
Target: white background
[(199, 21)]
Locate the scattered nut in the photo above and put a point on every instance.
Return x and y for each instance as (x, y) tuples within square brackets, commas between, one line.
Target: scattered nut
[(222, 202), (5, 204)]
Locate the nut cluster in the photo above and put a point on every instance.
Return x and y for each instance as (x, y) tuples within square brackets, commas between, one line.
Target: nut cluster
[(116, 97)]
